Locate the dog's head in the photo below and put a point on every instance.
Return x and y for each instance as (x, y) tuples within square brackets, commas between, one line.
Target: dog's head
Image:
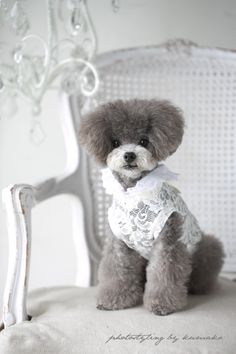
[(131, 137)]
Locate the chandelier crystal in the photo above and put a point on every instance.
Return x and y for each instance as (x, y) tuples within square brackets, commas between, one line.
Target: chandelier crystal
[(34, 65)]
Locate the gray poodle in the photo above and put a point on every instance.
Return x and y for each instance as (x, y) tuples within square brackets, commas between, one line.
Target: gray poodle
[(157, 253)]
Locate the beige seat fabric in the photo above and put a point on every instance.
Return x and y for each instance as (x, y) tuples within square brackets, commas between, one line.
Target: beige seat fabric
[(65, 320)]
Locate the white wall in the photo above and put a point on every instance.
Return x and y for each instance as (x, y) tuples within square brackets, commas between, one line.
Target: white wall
[(139, 22), (146, 22)]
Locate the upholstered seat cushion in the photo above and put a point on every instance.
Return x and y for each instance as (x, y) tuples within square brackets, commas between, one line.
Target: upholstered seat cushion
[(65, 320)]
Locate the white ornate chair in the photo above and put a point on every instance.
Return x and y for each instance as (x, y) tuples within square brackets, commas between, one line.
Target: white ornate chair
[(202, 81)]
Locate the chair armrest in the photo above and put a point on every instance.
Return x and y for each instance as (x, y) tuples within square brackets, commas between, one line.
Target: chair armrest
[(18, 201)]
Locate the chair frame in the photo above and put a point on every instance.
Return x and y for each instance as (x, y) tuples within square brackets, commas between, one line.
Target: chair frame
[(19, 199)]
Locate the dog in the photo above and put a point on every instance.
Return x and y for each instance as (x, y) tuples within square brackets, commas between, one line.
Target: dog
[(157, 253)]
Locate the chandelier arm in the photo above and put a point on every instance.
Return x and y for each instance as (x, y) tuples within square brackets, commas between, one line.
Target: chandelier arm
[(31, 73), (51, 29), (63, 64)]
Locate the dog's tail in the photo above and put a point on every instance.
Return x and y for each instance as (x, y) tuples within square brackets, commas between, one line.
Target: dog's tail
[(172, 230)]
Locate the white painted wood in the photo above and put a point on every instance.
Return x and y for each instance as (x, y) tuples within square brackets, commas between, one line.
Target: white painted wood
[(19, 200)]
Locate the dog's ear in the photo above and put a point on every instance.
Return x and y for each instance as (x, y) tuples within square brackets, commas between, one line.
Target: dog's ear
[(167, 127), (94, 135)]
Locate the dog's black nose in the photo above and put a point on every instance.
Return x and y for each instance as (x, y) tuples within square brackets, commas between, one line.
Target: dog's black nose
[(129, 157)]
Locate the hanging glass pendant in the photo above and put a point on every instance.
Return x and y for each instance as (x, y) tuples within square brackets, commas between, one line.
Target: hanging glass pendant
[(76, 21), (17, 54), (115, 5), (18, 20)]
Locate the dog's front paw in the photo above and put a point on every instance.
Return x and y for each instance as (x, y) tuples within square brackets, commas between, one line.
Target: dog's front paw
[(160, 309), (163, 304), (100, 306), (117, 297)]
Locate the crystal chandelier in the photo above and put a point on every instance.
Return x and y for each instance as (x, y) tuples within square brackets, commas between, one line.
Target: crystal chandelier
[(34, 64)]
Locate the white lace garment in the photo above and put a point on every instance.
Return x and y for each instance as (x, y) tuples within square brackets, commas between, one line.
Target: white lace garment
[(138, 215)]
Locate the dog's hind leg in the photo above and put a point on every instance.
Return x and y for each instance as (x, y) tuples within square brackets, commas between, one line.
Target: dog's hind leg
[(121, 277), (168, 270), (207, 262)]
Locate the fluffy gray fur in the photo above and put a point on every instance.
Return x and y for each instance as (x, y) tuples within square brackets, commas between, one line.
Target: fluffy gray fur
[(128, 121), (125, 278)]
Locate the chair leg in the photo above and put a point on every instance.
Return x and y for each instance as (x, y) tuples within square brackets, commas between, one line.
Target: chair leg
[(18, 201)]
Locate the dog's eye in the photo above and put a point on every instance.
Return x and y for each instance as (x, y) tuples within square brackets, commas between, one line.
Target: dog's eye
[(115, 143), (144, 142)]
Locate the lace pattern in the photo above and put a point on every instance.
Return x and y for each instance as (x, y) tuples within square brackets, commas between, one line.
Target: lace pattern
[(139, 220)]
